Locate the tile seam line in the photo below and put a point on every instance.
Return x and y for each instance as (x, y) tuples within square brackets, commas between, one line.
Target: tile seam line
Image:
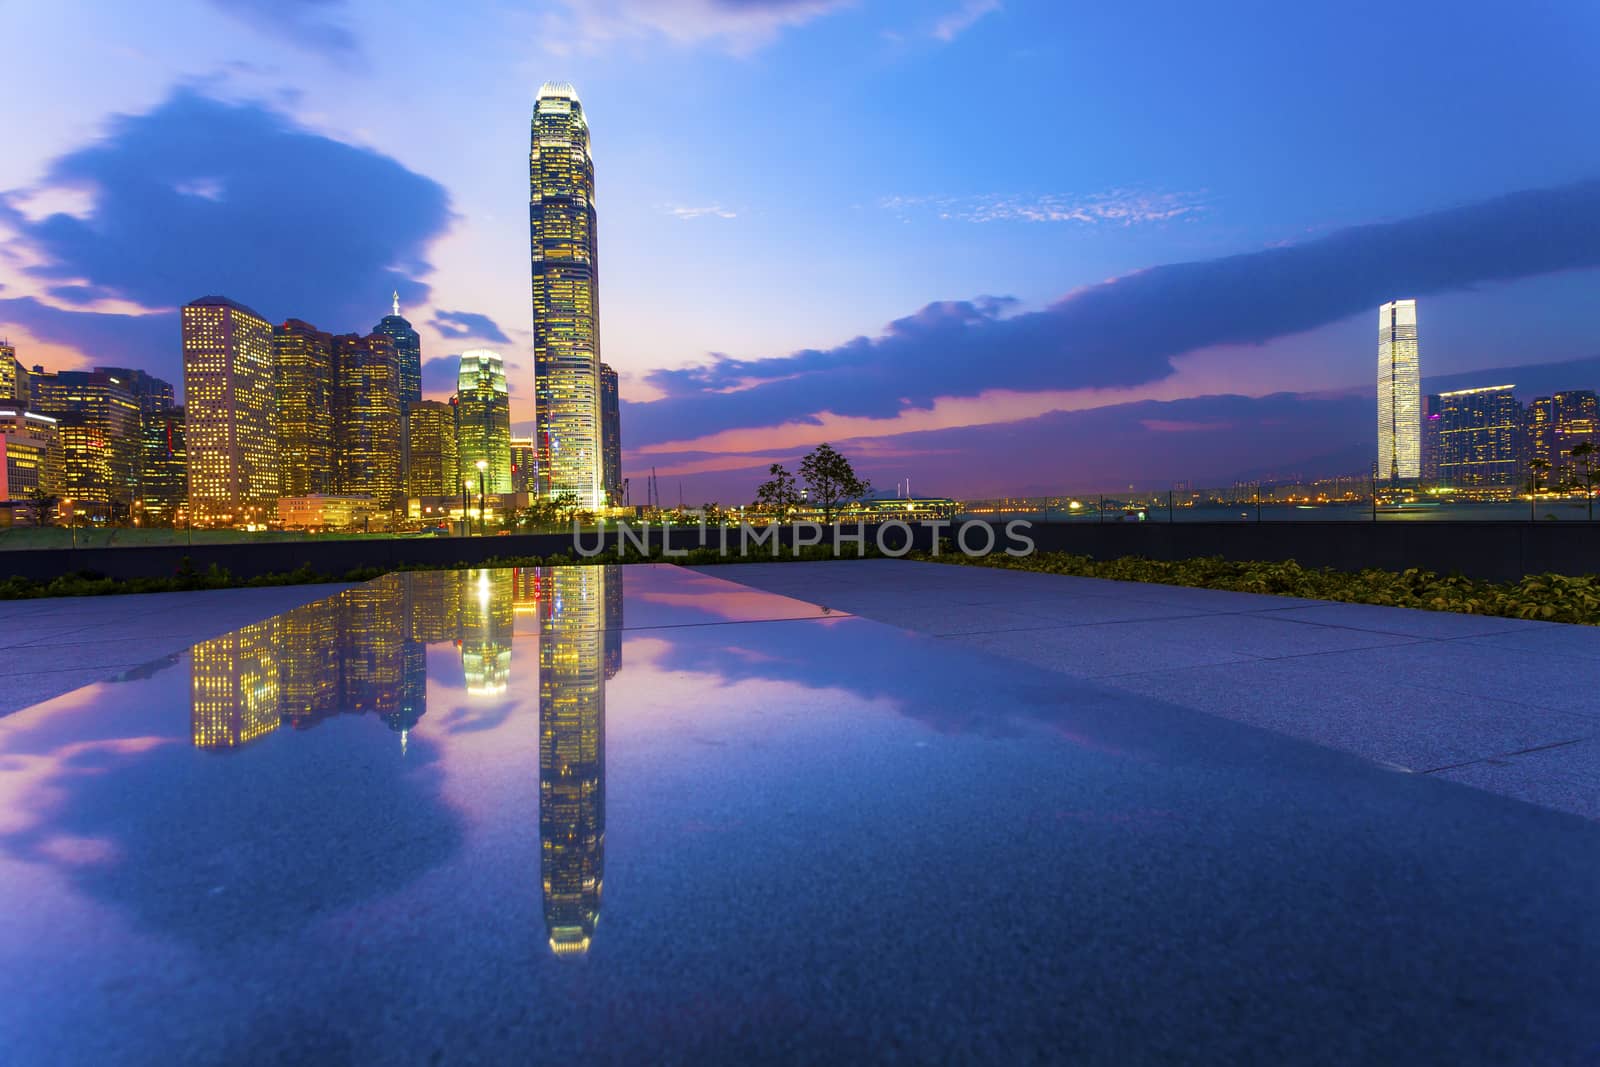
[(1506, 755)]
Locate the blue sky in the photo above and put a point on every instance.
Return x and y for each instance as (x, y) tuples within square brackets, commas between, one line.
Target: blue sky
[(886, 224)]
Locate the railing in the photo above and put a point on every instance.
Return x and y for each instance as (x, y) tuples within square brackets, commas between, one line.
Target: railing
[(1252, 506)]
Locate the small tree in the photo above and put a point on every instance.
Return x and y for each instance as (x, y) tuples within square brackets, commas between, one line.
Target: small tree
[(831, 480), (43, 505), (778, 494), (1536, 470), (1584, 476)]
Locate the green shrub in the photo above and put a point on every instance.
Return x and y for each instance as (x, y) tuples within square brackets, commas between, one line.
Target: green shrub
[(1550, 597)]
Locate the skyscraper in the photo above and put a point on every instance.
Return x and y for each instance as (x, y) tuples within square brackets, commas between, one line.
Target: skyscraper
[(305, 408), (1539, 433), (1479, 432), (1399, 393), (98, 424), (566, 299), (432, 465), (407, 351), (483, 416), (163, 467), (367, 419), (523, 465), (1576, 419), (230, 412), (610, 434)]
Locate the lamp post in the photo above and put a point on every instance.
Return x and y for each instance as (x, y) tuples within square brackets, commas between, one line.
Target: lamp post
[(483, 522), (466, 510)]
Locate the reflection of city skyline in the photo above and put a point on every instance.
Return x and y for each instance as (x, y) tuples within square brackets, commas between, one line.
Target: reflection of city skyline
[(365, 651)]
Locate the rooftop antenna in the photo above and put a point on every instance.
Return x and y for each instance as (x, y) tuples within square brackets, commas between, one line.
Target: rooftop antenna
[(397, 303)]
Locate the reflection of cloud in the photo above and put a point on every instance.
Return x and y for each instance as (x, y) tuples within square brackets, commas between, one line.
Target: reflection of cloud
[(1127, 331)]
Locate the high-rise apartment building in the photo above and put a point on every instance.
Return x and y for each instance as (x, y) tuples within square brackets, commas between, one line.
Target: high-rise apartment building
[(30, 459), (483, 414), (1432, 422), (367, 419), (304, 366), (1399, 393), (566, 299), (97, 419), (230, 413), (407, 352), (1480, 439), (431, 470), (1539, 433), (610, 435), (1575, 419)]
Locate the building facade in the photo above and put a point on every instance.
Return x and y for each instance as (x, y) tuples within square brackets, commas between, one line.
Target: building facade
[(230, 413), (1575, 419), (431, 469), (524, 465), (566, 299), (1480, 441), (407, 353), (304, 367), (163, 469), (483, 414), (367, 420), (98, 428), (1399, 393), (13, 377), (610, 435), (29, 464)]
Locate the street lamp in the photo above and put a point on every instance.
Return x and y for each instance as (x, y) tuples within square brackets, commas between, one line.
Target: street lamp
[(483, 522)]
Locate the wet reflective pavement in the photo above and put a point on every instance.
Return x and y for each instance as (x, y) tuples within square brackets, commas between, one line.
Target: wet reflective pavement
[(642, 814)]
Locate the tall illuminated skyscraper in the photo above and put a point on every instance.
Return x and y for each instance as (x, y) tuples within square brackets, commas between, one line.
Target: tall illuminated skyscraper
[(230, 412), (1399, 393), (1479, 434), (483, 413), (304, 356), (367, 418), (610, 434), (97, 415), (566, 299), (431, 450), (407, 351)]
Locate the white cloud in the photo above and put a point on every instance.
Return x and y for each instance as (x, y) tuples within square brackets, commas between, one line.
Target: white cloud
[(1117, 207), (737, 26), (711, 210), (962, 19)]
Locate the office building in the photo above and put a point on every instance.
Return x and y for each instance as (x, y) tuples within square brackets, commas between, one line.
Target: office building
[(153, 395), (13, 378), (431, 464), (97, 418), (29, 464), (1399, 393), (523, 465), (367, 420), (1479, 433), (407, 353), (163, 469), (1431, 422), (483, 414), (1539, 431), (610, 435), (230, 413), (304, 367), (566, 299)]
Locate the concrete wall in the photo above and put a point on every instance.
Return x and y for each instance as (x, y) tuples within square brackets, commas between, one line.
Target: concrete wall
[(1500, 551)]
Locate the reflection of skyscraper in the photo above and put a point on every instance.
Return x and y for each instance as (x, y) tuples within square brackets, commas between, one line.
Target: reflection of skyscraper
[(566, 299), (613, 621), (486, 625), (372, 621), (309, 638), (572, 831), (1399, 393), (234, 687)]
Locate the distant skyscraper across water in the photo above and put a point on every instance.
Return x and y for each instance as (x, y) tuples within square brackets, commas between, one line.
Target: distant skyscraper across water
[(1399, 393), (566, 300)]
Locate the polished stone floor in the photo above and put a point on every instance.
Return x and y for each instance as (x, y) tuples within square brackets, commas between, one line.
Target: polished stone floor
[(1501, 704), (649, 815)]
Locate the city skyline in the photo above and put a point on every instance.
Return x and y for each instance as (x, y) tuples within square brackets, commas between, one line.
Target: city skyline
[(741, 264)]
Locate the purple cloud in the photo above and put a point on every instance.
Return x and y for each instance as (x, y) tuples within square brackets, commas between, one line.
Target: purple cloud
[(469, 324), (300, 22)]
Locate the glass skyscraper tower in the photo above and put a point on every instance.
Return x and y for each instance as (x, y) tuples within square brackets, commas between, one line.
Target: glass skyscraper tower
[(483, 420), (566, 299), (1399, 393)]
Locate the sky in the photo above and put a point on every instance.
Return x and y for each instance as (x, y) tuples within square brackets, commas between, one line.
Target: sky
[(991, 247)]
